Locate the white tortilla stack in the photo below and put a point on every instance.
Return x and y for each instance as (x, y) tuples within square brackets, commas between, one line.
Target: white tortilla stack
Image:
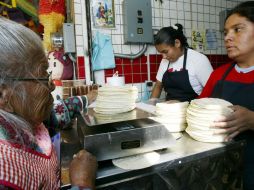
[(200, 116), (172, 115), (116, 99)]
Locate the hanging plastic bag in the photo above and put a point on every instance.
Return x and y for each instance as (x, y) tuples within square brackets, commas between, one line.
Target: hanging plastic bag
[(103, 55)]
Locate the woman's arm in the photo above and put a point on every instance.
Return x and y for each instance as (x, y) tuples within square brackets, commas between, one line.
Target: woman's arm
[(66, 110), (156, 92)]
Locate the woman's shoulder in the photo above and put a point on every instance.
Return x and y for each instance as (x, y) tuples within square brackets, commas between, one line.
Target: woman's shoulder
[(222, 68), (197, 57), (15, 135)]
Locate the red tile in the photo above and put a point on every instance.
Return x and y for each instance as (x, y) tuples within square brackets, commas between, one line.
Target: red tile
[(144, 68), (136, 61), (154, 67), (158, 58), (152, 58), (144, 77), (81, 72), (153, 76), (119, 68), (81, 61), (136, 69), (118, 61), (136, 78), (128, 79), (127, 69), (143, 59), (126, 61), (109, 72)]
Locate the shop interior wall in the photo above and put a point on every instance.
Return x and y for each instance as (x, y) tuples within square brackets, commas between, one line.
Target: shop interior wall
[(192, 14)]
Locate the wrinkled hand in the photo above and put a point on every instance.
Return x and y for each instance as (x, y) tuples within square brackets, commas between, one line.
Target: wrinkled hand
[(240, 120), (83, 169), (91, 96)]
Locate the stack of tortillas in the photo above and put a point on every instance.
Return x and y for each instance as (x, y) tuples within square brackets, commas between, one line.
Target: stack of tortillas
[(200, 115), (172, 115), (116, 99)]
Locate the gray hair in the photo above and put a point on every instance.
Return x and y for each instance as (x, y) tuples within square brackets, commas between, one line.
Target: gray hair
[(21, 54), (20, 46)]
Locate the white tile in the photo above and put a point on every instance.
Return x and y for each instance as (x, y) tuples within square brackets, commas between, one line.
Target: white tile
[(187, 15), (194, 16), (172, 5), (212, 10), (166, 13), (77, 8), (173, 14), (157, 21), (218, 3), (79, 40), (200, 8), (157, 13), (207, 10), (117, 48), (212, 3), (78, 29), (186, 6), (180, 15), (165, 4), (179, 6), (117, 39), (213, 18), (80, 51), (206, 2), (194, 25), (187, 25), (78, 19), (166, 22), (194, 8), (200, 17), (201, 26)]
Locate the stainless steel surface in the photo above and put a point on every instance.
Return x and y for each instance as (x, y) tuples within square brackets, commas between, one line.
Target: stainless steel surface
[(115, 140), (92, 118), (186, 149)]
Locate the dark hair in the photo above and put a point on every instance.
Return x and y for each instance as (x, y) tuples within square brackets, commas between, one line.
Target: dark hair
[(245, 9), (168, 35)]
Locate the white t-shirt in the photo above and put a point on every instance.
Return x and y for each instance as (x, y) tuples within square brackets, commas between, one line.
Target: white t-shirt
[(197, 64)]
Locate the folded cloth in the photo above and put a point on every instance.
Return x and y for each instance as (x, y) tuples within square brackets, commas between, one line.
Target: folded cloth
[(103, 55)]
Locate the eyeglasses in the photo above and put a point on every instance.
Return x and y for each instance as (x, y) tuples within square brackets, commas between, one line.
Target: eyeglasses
[(47, 80)]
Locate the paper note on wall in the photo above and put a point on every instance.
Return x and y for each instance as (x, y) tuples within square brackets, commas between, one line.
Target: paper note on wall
[(211, 39), (198, 40)]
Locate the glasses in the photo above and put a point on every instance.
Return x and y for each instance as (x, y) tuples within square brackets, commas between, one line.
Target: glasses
[(47, 79)]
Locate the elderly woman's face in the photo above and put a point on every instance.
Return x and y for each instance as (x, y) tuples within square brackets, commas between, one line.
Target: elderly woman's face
[(239, 37), (39, 101)]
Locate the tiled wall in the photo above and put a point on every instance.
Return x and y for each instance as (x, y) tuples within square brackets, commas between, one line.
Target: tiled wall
[(192, 14)]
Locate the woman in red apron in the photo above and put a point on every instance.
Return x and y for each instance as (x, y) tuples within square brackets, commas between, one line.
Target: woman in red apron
[(234, 82), (183, 72)]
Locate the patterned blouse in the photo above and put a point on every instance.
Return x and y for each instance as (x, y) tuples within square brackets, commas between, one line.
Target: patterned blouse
[(27, 158)]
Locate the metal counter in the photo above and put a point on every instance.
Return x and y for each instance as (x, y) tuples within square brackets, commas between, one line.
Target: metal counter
[(185, 151)]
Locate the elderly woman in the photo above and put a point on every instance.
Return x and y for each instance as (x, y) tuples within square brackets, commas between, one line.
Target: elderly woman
[(27, 158)]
